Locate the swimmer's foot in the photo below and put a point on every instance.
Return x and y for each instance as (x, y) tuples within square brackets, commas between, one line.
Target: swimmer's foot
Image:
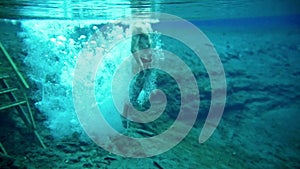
[(142, 97)]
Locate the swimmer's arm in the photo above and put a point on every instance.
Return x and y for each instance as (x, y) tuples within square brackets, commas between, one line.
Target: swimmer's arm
[(134, 43), (134, 49)]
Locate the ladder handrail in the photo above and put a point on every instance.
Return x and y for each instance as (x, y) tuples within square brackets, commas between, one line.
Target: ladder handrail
[(24, 82)]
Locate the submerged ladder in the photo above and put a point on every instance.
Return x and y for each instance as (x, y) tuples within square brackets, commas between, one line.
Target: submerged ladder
[(13, 99)]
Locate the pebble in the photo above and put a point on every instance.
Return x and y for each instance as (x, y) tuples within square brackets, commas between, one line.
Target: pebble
[(87, 165), (61, 38), (52, 39), (95, 27), (81, 37)]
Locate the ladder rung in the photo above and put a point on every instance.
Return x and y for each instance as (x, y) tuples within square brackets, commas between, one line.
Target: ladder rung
[(12, 104), (4, 76), (3, 91), (3, 149)]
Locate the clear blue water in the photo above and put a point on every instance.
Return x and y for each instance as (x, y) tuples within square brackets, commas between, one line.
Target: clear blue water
[(258, 44)]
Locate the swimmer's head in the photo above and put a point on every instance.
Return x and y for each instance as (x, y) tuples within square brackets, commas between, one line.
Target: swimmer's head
[(140, 26)]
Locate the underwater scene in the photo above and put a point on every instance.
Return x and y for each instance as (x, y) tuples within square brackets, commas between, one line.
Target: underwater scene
[(162, 84)]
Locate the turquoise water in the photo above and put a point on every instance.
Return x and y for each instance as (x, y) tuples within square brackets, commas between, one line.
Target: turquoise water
[(108, 9), (256, 42)]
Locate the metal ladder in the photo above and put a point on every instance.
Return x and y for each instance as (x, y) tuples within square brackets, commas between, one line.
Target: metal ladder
[(13, 98)]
